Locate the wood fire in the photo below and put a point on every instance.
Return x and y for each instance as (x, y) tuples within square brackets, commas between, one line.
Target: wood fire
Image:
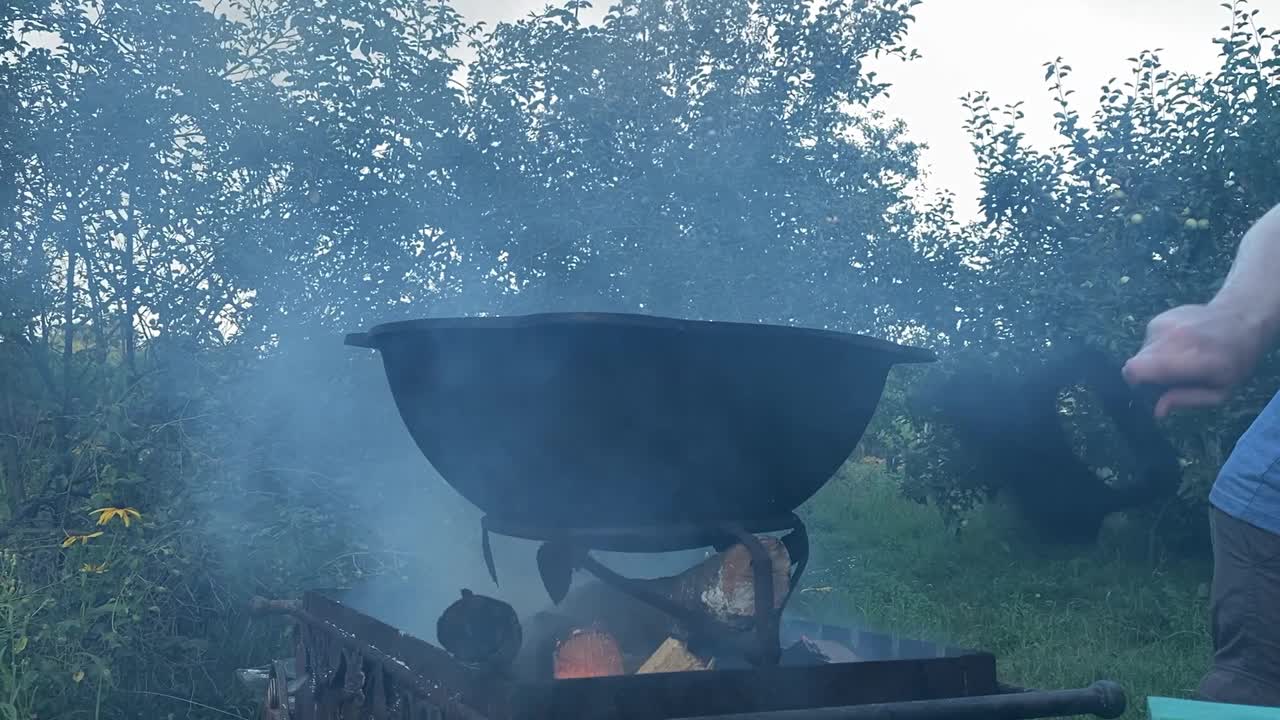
[(587, 653), (601, 631)]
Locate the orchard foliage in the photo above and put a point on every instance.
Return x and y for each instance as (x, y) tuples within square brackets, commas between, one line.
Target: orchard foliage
[(1136, 209)]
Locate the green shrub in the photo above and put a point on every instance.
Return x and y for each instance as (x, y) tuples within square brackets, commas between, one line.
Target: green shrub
[(1054, 618)]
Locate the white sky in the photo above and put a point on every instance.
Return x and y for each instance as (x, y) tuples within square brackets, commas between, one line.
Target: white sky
[(1000, 46)]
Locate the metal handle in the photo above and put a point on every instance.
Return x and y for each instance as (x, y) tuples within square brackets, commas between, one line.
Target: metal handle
[(358, 340), (1103, 699)]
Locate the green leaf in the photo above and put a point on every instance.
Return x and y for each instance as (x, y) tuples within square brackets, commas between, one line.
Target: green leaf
[(20, 644), (104, 609)]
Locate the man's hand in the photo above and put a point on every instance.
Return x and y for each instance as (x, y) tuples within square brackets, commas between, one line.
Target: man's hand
[(1201, 352)]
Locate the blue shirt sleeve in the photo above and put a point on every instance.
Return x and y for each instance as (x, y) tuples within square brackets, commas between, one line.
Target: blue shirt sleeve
[(1248, 486)]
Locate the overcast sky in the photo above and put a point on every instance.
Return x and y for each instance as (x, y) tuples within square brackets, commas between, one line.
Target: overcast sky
[(999, 46)]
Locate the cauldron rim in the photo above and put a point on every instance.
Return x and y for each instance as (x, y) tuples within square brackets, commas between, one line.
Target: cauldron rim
[(894, 353)]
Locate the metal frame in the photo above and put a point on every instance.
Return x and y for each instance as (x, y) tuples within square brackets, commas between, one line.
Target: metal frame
[(350, 666), (574, 546)]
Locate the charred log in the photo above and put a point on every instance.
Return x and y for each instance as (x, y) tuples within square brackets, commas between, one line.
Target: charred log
[(637, 627), (720, 589), (480, 631), (587, 653)]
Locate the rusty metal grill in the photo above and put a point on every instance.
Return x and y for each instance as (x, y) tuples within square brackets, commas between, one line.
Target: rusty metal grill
[(663, 434), (350, 666)]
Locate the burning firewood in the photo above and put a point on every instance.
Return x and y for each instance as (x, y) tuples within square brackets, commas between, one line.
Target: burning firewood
[(637, 628), (721, 588), (587, 653), (673, 656)]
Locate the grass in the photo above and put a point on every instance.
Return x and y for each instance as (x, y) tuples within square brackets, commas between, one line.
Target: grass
[(1054, 617)]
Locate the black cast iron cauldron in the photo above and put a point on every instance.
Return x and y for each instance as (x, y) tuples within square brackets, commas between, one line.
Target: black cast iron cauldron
[(586, 420)]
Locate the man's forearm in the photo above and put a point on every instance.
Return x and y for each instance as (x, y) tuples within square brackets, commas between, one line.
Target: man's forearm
[(1251, 290)]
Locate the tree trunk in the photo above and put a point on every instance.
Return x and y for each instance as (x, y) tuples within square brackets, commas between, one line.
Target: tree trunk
[(63, 424), (127, 321), (11, 478)]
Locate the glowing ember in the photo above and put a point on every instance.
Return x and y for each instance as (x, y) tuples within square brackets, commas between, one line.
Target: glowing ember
[(588, 653)]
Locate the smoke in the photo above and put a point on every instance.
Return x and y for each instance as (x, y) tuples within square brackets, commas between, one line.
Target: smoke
[(324, 475), (326, 486)]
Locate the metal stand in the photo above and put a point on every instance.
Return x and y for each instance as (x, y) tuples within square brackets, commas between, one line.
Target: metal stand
[(567, 549)]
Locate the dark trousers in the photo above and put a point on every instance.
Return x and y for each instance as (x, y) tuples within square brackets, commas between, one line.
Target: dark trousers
[(1244, 614)]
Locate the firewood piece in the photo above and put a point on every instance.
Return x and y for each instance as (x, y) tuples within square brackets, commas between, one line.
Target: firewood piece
[(587, 653), (259, 605), (480, 631), (732, 593), (638, 628), (721, 587), (672, 656)]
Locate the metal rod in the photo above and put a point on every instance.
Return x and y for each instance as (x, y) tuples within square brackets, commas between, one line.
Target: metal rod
[(1102, 699), (769, 644)]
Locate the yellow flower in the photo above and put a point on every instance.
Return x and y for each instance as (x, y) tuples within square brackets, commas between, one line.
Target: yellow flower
[(81, 538), (105, 514), (91, 568)]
